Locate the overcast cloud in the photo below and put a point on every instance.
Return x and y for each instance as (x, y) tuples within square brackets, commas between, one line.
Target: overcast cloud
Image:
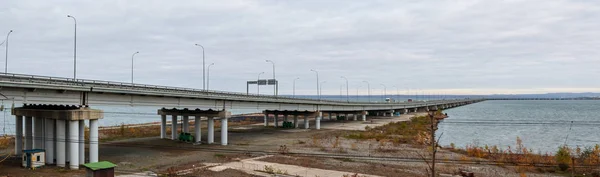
[(461, 47)]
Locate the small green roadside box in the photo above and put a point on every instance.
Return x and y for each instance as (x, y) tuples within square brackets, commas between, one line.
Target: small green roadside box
[(100, 169)]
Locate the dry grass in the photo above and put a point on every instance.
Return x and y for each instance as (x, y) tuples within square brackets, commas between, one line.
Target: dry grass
[(6, 141)]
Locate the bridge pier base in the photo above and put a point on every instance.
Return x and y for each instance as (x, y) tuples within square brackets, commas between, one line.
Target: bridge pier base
[(174, 127), (295, 121), (318, 121), (364, 116), (49, 149), (186, 124), (266, 120), (355, 116), (18, 135), (163, 126), (306, 125), (224, 131)]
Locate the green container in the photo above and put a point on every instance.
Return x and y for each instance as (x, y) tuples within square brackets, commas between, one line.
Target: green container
[(186, 137)]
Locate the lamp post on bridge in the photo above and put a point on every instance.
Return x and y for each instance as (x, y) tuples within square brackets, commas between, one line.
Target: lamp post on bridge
[(208, 76), (74, 48), (203, 67), (132, 66), (276, 85), (347, 94), (294, 87), (6, 53), (318, 93), (258, 83), (368, 89), (384, 91)]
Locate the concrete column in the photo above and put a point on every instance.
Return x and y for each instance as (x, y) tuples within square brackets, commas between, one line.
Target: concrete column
[(198, 128), (285, 118), (355, 116), (73, 144), (405, 111), (318, 121), (329, 116), (60, 143), (18, 135), (174, 127), (186, 124), (81, 142), (224, 131), (38, 134), (67, 140), (266, 120), (364, 117), (345, 116), (306, 125), (94, 140), (28, 133), (50, 141), (295, 121), (163, 126), (392, 113), (211, 130), (276, 120)]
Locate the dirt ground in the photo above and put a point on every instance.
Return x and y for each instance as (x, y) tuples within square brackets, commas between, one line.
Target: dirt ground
[(165, 156)]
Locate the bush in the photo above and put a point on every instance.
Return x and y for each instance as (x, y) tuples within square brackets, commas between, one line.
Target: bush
[(563, 157)]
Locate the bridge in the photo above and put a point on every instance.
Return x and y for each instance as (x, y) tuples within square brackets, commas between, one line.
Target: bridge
[(55, 109)]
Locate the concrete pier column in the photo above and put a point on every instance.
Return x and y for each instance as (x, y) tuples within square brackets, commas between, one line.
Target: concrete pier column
[(405, 111), (224, 131), (28, 132), (276, 120), (364, 116), (186, 124), (81, 142), (345, 116), (49, 141), (318, 121), (67, 140), (306, 125), (266, 120), (355, 116), (18, 135), (73, 144), (198, 129), (60, 143), (163, 126), (329, 116), (94, 140), (295, 121), (38, 134), (174, 127), (211, 130), (392, 113)]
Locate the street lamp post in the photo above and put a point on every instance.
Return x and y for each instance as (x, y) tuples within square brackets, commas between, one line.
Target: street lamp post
[(276, 84), (294, 87), (6, 53), (384, 91), (74, 48), (132, 66), (203, 67), (258, 83), (368, 89), (318, 93), (397, 93), (347, 94), (208, 76)]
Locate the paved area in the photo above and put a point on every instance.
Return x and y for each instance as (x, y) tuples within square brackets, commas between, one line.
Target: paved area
[(253, 166), (372, 121)]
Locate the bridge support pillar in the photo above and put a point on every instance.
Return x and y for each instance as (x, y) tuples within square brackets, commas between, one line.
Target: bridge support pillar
[(81, 142), (28, 132), (285, 118), (60, 143), (18, 135), (37, 132), (186, 124), (276, 120), (295, 121), (392, 113), (94, 140), (49, 149), (163, 126), (266, 120), (355, 116), (345, 116), (329, 116), (364, 116), (211, 130), (73, 144), (306, 125), (224, 130), (318, 121), (405, 111), (174, 127), (197, 129)]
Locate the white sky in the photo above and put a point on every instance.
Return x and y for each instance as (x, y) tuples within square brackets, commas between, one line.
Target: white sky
[(439, 47)]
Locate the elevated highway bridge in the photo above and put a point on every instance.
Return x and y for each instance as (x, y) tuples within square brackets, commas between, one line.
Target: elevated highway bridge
[(55, 109)]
